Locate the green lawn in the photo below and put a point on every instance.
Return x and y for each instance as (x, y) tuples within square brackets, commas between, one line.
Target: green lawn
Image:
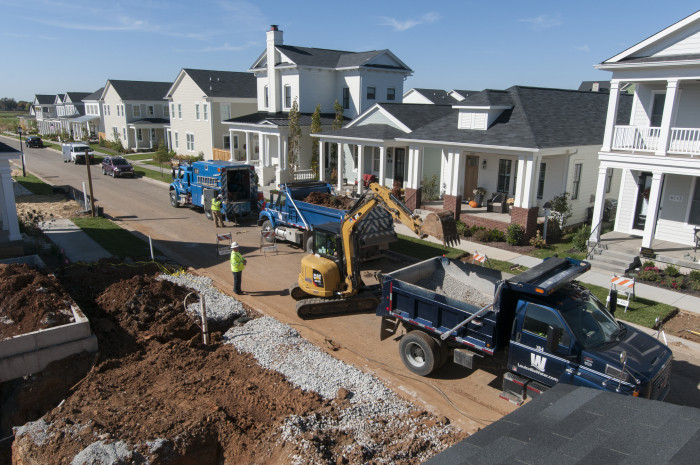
[(165, 177), (34, 184), (642, 312), (139, 156), (114, 239), (422, 250)]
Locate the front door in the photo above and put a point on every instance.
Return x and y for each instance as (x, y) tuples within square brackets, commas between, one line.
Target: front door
[(399, 164), (471, 177), (640, 211)]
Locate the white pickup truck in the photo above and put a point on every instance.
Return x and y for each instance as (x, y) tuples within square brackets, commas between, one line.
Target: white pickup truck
[(75, 152)]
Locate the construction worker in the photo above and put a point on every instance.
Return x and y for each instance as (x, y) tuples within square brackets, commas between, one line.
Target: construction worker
[(238, 263), (216, 211)]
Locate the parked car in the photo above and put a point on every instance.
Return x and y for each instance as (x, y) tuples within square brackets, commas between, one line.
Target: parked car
[(117, 167), (34, 141)]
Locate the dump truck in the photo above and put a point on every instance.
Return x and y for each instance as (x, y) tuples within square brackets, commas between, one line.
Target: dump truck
[(543, 327), (196, 184), (291, 219)]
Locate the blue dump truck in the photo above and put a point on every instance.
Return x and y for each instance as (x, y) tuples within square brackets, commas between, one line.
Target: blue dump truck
[(196, 184), (542, 327), (290, 218)]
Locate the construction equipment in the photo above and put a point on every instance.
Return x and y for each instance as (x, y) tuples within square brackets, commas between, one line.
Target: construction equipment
[(329, 282)]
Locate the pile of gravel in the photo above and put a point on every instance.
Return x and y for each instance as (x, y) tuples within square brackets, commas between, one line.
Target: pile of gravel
[(446, 281), (220, 307)]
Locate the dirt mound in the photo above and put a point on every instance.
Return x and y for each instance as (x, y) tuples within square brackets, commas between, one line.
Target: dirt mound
[(30, 300), (328, 200)]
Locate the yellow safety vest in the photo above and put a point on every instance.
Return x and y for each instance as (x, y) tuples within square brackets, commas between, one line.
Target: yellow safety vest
[(216, 205), (237, 262)]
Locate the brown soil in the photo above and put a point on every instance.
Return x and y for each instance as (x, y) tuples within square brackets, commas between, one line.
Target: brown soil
[(175, 401), (328, 200), (682, 324), (30, 300)]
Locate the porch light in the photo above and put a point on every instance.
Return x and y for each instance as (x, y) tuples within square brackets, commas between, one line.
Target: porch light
[(483, 164)]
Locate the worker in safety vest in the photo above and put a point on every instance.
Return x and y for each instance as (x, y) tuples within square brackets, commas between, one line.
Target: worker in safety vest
[(237, 265), (216, 211)]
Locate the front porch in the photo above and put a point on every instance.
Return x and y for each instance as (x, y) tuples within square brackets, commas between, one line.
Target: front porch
[(665, 252)]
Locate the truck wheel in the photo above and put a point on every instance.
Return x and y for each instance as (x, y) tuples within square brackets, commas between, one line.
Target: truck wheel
[(419, 352), (173, 199), (267, 227), (310, 244)]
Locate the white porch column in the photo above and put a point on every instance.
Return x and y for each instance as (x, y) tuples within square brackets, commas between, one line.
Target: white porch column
[(248, 147), (526, 181), (261, 150), (285, 150), (341, 165), (457, 173), (230, 145), (321, 160), (612, 115), (136, 140), (653, 208), (410, 182), (281, 155), (168, 133), (360, 167), (520, 181), (448, 167), (669, 106), (599, 204), (9, 209), (382, 165), (418, 168)]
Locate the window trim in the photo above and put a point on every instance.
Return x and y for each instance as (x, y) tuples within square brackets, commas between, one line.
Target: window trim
[(373, 95), (150, 111), (139, 135), (177, 140), (391, 97), (506, 176), (196, 111), (205, 111), (540, 180), (134, 108), (224, 137), (166, 111), (190, 140), (179, 110), (287, 96), (346, 98), (266, 97)]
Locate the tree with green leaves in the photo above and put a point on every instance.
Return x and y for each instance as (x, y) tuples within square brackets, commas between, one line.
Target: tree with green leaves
[(338, 120), (294, 138), (162, 155), (315, 129)]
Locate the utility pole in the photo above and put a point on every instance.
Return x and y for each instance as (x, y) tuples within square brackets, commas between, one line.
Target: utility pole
[(19, 130), (92, 203)]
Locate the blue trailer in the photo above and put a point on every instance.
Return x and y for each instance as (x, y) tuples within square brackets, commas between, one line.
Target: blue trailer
[(544, 328), (196, 184), (289, 218)]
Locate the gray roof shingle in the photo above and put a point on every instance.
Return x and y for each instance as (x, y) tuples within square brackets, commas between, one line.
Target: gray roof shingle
[(325, 58), (45, 99), (140, 90), (224, 83), (95, 95), (281, 118), (76, 97)]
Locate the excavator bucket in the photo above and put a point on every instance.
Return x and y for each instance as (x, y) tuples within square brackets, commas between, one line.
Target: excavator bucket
[(441, 225)]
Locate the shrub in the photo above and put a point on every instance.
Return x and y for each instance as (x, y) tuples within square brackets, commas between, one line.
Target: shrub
[(579, 241), (648, 275), (672, 283), (694, 276), (482, 235), (648, 263), (538, 242), (561, 208), (672, 271), (694, 285), (496, 235), (430, 188), (515, 234), (462, 228)]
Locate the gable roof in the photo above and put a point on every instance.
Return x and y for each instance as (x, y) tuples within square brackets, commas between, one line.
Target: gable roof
[(441, 97), (539, 118), (333, 59), (643, 51), (139, 90), (95, 96), (45, 99), (213, 83), (75, 97), (281, 118)]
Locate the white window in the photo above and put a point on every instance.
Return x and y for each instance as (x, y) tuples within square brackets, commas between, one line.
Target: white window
[(287, 96), (115, 132), (177, 141), (196, 111), (123, 112), (375, 161), (205, 109), (137, 111), (371, 92), (118, 111), (172, 109), (391, 93), (227, 142), (124, 131), (179, 111), (235, 142), (190, 142), (139, 135), (578, 167), (151, 111), (166, 111), (225, 111), (267, 98)]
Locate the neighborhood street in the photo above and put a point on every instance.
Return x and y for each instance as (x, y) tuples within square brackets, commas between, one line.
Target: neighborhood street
[(469, 399)]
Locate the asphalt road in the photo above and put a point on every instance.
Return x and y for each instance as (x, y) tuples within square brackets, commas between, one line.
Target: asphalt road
[(468, 398)]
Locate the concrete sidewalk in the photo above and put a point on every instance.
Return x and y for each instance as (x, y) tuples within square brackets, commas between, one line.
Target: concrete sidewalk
[(677, 299), (76, 244)]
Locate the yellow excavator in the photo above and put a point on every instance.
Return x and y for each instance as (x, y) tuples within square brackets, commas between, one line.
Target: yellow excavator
[(329, 282)]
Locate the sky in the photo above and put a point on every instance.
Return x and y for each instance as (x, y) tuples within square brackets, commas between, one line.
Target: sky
[(77, 45)]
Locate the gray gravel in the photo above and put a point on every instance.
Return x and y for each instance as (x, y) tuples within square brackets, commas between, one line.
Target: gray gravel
[(452, 282), (107, 453), (220, 307)]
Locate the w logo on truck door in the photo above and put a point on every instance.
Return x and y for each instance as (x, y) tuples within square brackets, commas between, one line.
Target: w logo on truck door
[(538, 361)]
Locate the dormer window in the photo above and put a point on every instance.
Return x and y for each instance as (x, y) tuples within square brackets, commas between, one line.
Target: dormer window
[(472, 120)]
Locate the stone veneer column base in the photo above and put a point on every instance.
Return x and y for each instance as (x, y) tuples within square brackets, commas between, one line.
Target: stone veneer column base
[(527, 218), (412, 198), (452, 203)]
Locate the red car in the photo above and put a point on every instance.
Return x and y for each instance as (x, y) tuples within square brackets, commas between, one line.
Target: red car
[(117, 167)]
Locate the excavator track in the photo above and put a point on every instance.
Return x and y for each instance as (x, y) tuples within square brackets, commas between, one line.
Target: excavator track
[(362, 302)]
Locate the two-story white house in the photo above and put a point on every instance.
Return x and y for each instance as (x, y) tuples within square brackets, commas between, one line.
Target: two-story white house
[(200, 100), (527, 144), (656, 150), (45, 112), (90, 122), (136, 112), (310, 76)]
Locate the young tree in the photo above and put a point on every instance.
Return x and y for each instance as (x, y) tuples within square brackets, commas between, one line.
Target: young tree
[(162, 155), (294, 138), (337, 124), (561, 208), (338, 121), (315, 129)]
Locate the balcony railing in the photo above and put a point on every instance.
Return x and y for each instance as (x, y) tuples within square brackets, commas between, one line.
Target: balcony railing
[(683, 141), (303, 175)]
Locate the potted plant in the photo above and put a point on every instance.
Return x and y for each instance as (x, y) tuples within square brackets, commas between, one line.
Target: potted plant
[(479, 194)]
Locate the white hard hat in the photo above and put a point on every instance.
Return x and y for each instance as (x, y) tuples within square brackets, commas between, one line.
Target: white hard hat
[(234, 245)]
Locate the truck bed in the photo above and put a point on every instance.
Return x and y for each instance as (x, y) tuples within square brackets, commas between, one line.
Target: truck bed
[(438, 294)]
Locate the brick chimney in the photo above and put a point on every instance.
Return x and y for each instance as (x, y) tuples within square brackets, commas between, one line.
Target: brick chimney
[(274, 38)]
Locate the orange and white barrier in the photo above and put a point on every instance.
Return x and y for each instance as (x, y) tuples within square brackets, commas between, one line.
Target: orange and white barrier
[(625, 290), (221, 239)]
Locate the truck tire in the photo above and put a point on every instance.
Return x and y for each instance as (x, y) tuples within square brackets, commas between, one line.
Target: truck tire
[(420, 353), (310, 244), (266, 227), (173, 199)]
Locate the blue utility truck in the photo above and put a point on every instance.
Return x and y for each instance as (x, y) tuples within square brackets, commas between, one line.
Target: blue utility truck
[(292, 219), (196, 184), (544, 328)]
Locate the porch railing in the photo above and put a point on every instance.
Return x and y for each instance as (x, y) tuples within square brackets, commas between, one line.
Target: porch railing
[(636, 138), (685, 141), (303, 175)]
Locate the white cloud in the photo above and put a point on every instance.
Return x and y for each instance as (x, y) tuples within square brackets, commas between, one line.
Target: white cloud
[(403, 25), (542, 21)]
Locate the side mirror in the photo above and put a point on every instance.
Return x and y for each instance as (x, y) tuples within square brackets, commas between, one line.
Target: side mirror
[(612, 303), (553, 336)]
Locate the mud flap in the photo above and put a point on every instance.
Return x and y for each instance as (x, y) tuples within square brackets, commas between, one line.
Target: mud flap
[(388, 327)]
